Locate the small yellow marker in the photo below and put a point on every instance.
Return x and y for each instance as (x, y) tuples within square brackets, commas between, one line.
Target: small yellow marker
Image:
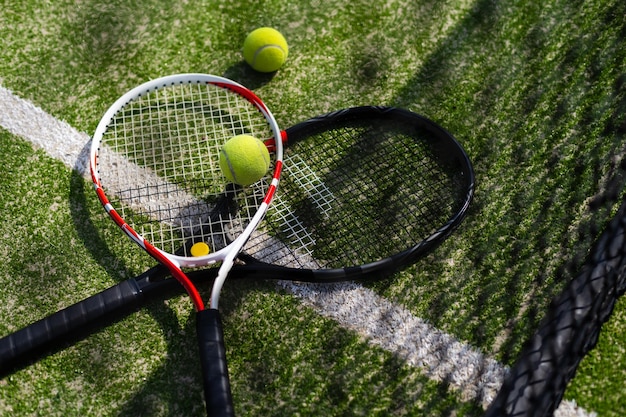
[(200, 249)]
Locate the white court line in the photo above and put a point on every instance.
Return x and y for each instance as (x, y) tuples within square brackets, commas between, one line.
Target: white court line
[(386, 325)]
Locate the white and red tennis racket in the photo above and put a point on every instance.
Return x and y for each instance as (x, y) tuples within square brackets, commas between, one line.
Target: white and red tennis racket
[(155, 168)]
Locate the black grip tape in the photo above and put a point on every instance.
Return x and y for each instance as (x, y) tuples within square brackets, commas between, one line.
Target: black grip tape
[(219, 402), (56, 330)]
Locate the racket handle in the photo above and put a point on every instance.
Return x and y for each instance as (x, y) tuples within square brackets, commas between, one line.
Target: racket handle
[(219, 401), (53, 331)]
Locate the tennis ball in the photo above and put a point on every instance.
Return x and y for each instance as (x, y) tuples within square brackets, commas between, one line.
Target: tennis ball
[(265, 49), (244, 159)]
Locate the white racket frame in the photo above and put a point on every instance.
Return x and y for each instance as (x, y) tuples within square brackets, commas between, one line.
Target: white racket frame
[(225, 255)]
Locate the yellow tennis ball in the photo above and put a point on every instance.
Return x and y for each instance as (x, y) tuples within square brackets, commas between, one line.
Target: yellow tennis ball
[(244, 159), (265, 49)]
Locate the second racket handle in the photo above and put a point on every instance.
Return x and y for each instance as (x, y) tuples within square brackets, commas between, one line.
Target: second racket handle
[(42, 336), (217, 394)]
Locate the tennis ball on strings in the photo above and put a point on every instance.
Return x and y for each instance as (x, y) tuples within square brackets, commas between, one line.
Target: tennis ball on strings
[(265, 49), (199, 249), (244, 159)]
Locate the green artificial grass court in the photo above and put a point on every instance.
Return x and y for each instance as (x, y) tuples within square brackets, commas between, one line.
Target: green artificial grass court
[(535, 92)]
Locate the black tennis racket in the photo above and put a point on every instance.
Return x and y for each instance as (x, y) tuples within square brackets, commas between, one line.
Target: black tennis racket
[(364, 192)]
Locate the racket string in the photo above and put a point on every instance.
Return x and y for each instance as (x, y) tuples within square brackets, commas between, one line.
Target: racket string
[(361, 192), (176, 132)]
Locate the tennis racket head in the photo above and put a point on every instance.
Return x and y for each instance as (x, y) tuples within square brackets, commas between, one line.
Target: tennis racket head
[(365, 189), (155, 165)]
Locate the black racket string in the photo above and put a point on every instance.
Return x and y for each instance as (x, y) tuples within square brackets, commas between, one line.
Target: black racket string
[(409, 184), (357, 192)]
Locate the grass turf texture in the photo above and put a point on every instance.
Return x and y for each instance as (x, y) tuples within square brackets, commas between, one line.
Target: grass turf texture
[(535, 92)]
